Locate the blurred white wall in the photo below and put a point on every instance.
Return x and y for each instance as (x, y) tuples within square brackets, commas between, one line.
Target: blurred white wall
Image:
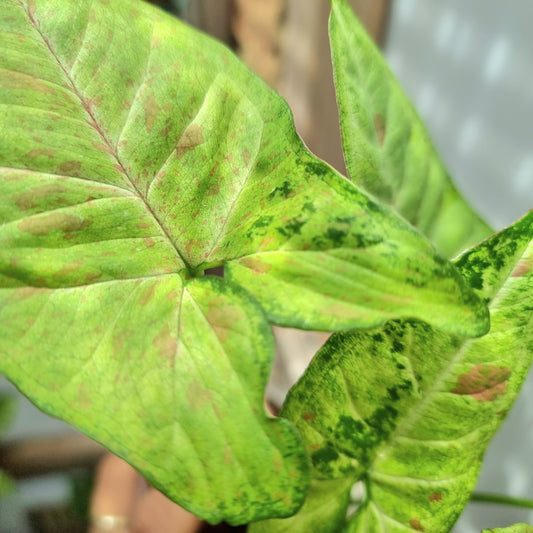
[(468, 67)]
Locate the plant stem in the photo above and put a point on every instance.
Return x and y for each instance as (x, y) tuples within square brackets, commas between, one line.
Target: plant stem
[(499, 498)]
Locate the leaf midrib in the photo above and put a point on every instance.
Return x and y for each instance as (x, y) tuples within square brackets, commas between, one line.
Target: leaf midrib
[(436, 387), (99, 130), (383, 161)]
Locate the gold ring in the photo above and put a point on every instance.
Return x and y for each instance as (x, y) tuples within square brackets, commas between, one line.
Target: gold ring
[(108, 522)]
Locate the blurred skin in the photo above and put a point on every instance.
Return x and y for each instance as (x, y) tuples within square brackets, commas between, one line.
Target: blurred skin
[(120, 491)]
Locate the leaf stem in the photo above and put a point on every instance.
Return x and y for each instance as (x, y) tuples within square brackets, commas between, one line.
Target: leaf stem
[(486, 497)]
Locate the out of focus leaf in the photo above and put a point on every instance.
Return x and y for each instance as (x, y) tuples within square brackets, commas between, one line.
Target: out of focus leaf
[(517, 528), (387, 148)]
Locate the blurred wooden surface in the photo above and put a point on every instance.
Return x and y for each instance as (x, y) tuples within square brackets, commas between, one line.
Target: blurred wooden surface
[(256, 25), (307, 76), (213, 17), (43, 455), (374, 14)]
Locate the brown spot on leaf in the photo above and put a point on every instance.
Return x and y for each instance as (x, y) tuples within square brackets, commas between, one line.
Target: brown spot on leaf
[(228, 456), (222, 316), (217, 411), (69, 268), (20, 81), (246, 155), (523, 268), (31, 8), (27, 292), (435, 497), (379, 124), (214, 190), (101, 147), (119, 340), (416, 525), (149, 242), (197, 396), (40, 226), (95, 102), (28, 199), (173, 296), (308, 416), (256, 265), (70, 166), (267, 241), (40, 152), (282, 497), (90, 277), (190, 138), (143, 225), (191, 244), (85, 398), (166, 344), (148, 294), (213, 171), (151, 111), (483, 382)]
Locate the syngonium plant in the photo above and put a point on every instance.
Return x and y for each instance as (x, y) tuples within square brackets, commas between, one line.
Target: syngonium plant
[(136, 153)]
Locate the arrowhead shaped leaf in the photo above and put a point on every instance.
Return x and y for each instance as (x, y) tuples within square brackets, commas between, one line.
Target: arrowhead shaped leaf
[(144, 361), (386, 146), (410, 410), (202, 166), (136, 153)]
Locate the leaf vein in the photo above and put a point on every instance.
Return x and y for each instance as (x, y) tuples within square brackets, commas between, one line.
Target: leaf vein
[(98, 128)]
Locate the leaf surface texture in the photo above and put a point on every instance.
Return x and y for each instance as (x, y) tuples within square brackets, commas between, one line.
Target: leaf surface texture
[(409, 410), (136, 153), (387, 148)]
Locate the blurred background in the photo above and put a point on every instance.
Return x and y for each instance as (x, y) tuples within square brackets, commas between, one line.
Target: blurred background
[(468, 68)]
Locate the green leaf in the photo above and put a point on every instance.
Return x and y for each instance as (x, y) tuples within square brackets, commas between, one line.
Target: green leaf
[(153, 150), (169, 376), (324, 510), (386, 146), (410, 410), (136, 153), (517, 528), (355, 270)]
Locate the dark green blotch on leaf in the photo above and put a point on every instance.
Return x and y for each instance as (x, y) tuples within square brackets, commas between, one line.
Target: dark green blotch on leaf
[(321, 458), (284, 190)]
